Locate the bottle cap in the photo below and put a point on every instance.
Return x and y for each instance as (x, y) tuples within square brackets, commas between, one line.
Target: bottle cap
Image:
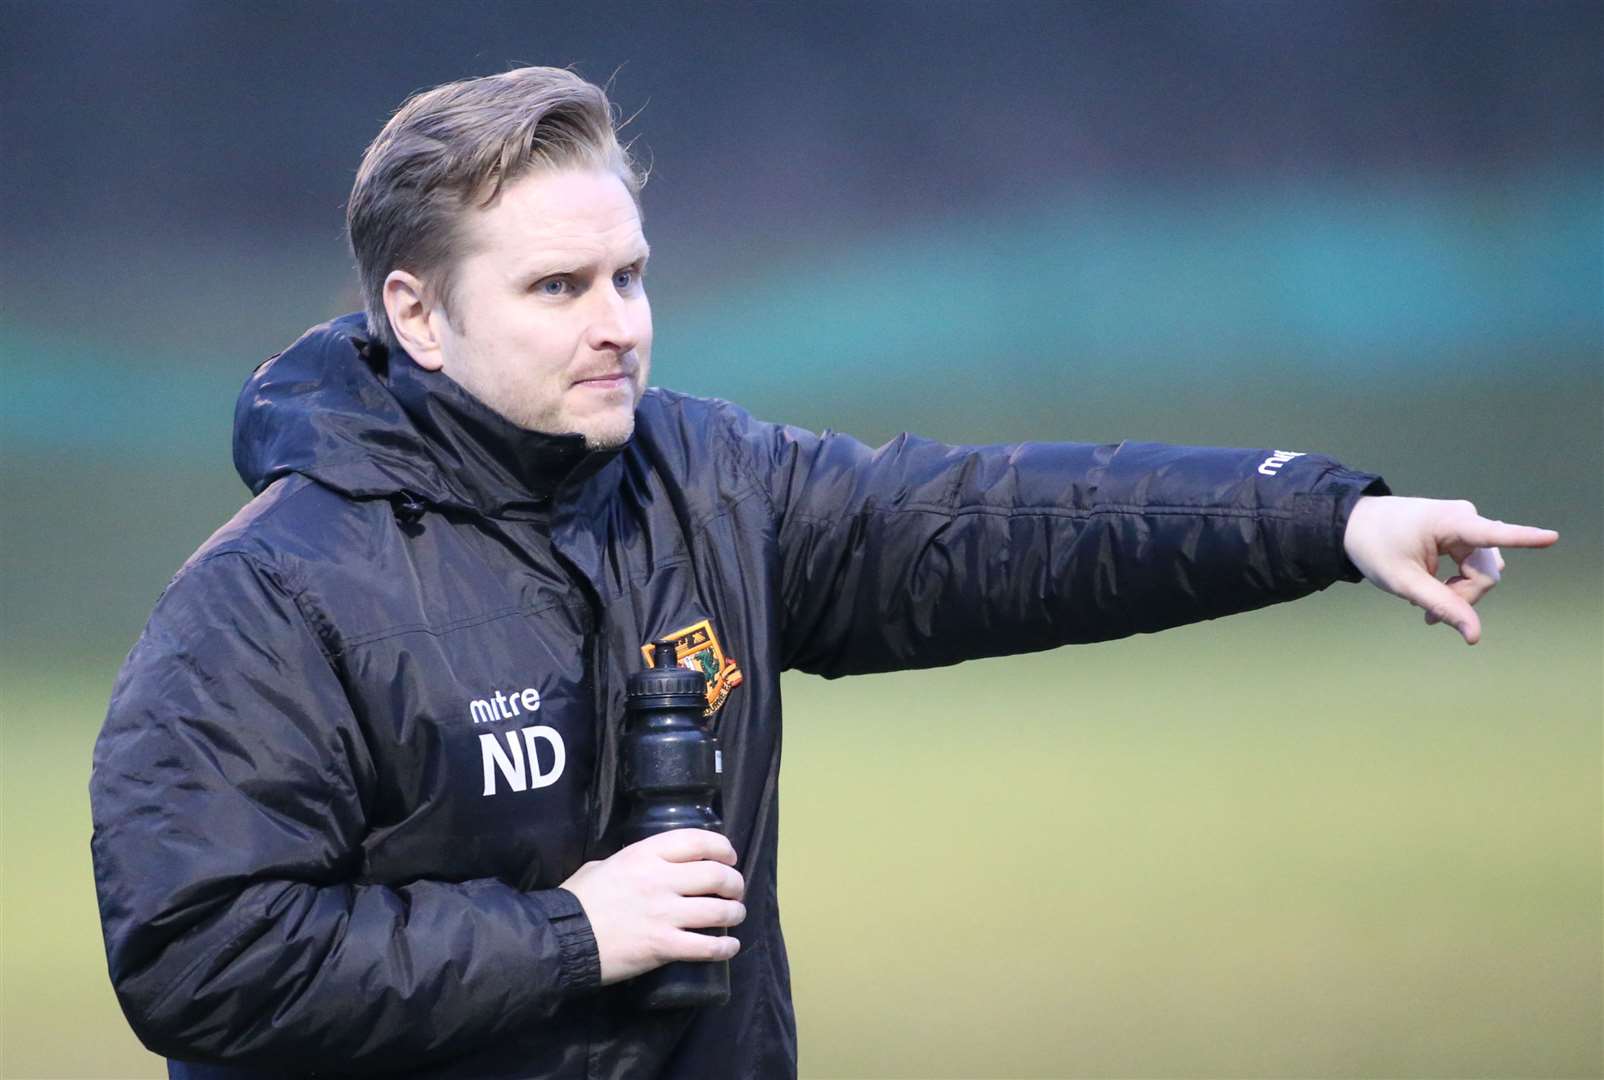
[(666, 679)]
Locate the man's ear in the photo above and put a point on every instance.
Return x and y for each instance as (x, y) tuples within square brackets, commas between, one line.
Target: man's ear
[(412, 319)]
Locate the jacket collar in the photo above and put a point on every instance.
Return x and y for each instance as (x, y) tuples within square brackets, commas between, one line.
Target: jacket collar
[(335, 407), (502, 468)]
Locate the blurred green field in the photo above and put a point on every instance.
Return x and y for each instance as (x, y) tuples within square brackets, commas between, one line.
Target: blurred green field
[(1319, 840)]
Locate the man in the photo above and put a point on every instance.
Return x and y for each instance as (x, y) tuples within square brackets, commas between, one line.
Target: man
[(356, 801)]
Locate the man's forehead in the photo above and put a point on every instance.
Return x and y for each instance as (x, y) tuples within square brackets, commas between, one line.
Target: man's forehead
[(565, 215)]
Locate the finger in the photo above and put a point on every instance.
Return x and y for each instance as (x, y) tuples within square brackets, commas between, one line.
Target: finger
[(1425, 591), (702, 912), (1484, 533), (690, 845), (1465, 589), (689, 945), (1469, 589), (1481, 570), (709, 879)]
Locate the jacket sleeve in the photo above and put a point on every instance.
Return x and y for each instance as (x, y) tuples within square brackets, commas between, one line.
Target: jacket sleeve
[(228, 806), (919, 554)]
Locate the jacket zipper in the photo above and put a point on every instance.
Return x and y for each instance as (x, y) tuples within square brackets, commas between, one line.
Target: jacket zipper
[(597, 662)]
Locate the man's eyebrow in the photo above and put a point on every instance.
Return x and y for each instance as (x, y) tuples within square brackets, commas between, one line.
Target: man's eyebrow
[(558, 265)]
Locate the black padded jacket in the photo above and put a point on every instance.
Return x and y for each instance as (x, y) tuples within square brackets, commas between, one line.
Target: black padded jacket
[(374, 721)]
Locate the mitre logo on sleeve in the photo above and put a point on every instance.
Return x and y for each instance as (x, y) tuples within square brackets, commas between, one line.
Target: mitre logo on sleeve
[(696, 647)]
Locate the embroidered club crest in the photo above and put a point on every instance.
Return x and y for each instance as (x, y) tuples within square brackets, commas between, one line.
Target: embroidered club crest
[(696, 647)]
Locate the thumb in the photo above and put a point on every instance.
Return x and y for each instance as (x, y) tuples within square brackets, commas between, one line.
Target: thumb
[(1441, 604)]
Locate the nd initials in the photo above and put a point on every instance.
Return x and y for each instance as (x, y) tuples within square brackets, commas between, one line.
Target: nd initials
[(518, 764)]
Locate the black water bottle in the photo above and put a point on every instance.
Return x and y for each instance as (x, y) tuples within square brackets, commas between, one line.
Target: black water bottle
[(671, 769)]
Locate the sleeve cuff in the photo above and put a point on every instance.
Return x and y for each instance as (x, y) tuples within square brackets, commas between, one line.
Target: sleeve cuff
[(576, 941), (1325, 522)]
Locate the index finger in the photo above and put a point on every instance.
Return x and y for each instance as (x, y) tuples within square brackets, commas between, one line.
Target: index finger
[(691, 845), (1483, 532)]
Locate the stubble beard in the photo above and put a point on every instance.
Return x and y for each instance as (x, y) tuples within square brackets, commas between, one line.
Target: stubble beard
[(611, 436), (534, 409), (607, 430)]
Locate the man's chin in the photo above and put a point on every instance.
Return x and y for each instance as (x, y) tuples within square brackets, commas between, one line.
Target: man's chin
[(610, 435), (606, 442)]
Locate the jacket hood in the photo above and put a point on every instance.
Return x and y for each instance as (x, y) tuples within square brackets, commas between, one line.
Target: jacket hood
[(338, 408)]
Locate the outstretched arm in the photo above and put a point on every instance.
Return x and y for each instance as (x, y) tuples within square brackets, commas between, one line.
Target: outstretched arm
[(919, 554), (1397, 543)]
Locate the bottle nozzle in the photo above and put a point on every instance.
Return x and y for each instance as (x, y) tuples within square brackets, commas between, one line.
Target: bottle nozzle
[(664, 654)]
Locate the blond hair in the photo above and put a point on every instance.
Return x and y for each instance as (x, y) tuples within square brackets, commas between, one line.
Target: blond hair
[(452, 148)]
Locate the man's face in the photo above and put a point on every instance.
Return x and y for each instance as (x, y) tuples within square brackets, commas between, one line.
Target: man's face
[(552, 328)]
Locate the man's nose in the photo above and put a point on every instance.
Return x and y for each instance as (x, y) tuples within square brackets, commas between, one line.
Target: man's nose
[(614, 326)]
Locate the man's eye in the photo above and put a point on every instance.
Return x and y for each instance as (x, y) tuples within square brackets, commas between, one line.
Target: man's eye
[(623, 279), (553, 286)]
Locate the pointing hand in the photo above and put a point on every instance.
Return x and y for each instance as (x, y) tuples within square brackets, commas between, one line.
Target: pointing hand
[(1396, 543)]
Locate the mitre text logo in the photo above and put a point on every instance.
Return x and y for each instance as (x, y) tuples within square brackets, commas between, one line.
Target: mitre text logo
[(1272, 464), (526, 758)]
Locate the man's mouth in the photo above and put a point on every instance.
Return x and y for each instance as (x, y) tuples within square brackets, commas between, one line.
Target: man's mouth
[(618, 376), (607, 381)]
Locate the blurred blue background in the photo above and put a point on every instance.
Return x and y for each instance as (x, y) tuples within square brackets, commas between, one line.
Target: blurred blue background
[(1319, 840)]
